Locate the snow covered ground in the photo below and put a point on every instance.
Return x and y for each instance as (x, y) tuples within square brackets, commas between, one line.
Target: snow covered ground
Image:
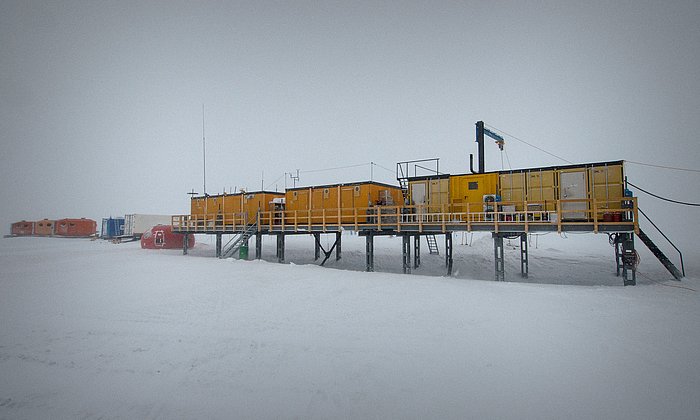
[(90, 329)]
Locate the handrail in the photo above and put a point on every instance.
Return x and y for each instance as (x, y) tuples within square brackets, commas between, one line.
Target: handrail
[(665, 237), (500, 215)]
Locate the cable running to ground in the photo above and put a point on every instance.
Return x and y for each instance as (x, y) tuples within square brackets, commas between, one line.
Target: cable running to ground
[(664, 198)]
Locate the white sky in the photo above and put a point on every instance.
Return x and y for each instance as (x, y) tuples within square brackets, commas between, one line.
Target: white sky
[(101, 102)]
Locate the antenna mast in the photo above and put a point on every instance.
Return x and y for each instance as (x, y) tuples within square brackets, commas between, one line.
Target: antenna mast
[(204, 154)]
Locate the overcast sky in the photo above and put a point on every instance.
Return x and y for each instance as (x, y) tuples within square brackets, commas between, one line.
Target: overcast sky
[(101, 102)]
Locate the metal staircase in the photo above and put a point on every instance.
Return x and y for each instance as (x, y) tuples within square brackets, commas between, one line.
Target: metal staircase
[(238, 241), (677, 274), (432, 244)]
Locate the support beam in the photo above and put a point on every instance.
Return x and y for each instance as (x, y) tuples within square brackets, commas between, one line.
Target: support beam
[(369, 240), (258, 246), (448, 253), (317, 246), (327, 254), (524, 260), (185, 244), (218, 245), (338, 242), (406, 253), (280, 247), (416, 251), (498, 257), (629, 259)]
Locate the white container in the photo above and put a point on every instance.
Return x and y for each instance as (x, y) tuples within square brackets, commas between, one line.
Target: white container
[(136, 224)]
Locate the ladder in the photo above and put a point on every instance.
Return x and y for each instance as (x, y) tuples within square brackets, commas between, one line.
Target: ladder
[(237, 241), (403, 183), (432, 244), (658, 253)]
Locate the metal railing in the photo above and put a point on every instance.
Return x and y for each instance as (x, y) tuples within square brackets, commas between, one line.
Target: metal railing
[(593, 214)]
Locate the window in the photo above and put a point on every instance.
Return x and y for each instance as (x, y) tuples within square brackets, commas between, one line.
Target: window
[(474, 185)]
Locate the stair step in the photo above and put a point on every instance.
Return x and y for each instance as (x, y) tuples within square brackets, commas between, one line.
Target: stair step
[(663, 259)]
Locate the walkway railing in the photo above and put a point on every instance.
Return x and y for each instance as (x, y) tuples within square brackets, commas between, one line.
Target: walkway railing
[(587, 214)]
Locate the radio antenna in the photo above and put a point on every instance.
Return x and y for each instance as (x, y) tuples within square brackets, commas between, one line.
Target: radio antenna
[(204, 154)]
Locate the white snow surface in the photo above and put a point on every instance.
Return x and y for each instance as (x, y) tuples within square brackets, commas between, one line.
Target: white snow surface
[(90, 329)]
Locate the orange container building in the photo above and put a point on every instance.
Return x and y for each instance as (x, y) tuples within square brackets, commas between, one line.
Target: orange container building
[(325, 200), (23, 228), (44, 227), (245, 205), (75, 227)]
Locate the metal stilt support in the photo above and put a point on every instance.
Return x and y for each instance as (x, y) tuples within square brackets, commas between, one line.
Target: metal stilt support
[(523, 256), (338, 241), (369, 240), (498, 257), (406, 252), (185, 244), (280, 248), (258, 246), (448, 253), (218, 245), (629, 259), (317, 246), (416, 251)]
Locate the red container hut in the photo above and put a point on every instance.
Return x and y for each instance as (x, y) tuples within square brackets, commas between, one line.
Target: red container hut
[(23, 228), (75, 227), (163, 237), (44, 227)]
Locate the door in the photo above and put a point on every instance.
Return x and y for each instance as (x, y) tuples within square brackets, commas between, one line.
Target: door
[(439, 190), (573, 187), (159, 239), (347, 203), (418, 193)]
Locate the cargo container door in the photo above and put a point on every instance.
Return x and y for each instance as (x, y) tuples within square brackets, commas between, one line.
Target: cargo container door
[(439, 189), (573, 187), (347, 202)]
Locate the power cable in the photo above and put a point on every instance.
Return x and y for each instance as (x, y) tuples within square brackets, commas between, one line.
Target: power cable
[(663, 167), (664, 198), (333, 169), (529, 144)]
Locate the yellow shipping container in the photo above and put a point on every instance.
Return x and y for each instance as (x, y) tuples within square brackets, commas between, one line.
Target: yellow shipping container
[(244, 205), (607, 185), (328, 199), (512, 189), (542, 188), (470, 189)]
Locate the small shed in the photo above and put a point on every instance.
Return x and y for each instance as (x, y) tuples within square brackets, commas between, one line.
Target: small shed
[(23, 228), (44, 227), (75, 227), (112, 227), (163, 237)]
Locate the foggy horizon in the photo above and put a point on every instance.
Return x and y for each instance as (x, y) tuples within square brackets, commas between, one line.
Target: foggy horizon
[(102, 102)]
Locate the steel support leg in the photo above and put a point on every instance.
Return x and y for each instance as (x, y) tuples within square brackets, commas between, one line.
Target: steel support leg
[(416, 251), (280, 248), (258, 246), (498, 257), (218, 245), (369, 240), (185, 244), (406, 251), (618, 255), (523, 256), (629, 260), (338, 237), (317, 246), (448, 253)]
